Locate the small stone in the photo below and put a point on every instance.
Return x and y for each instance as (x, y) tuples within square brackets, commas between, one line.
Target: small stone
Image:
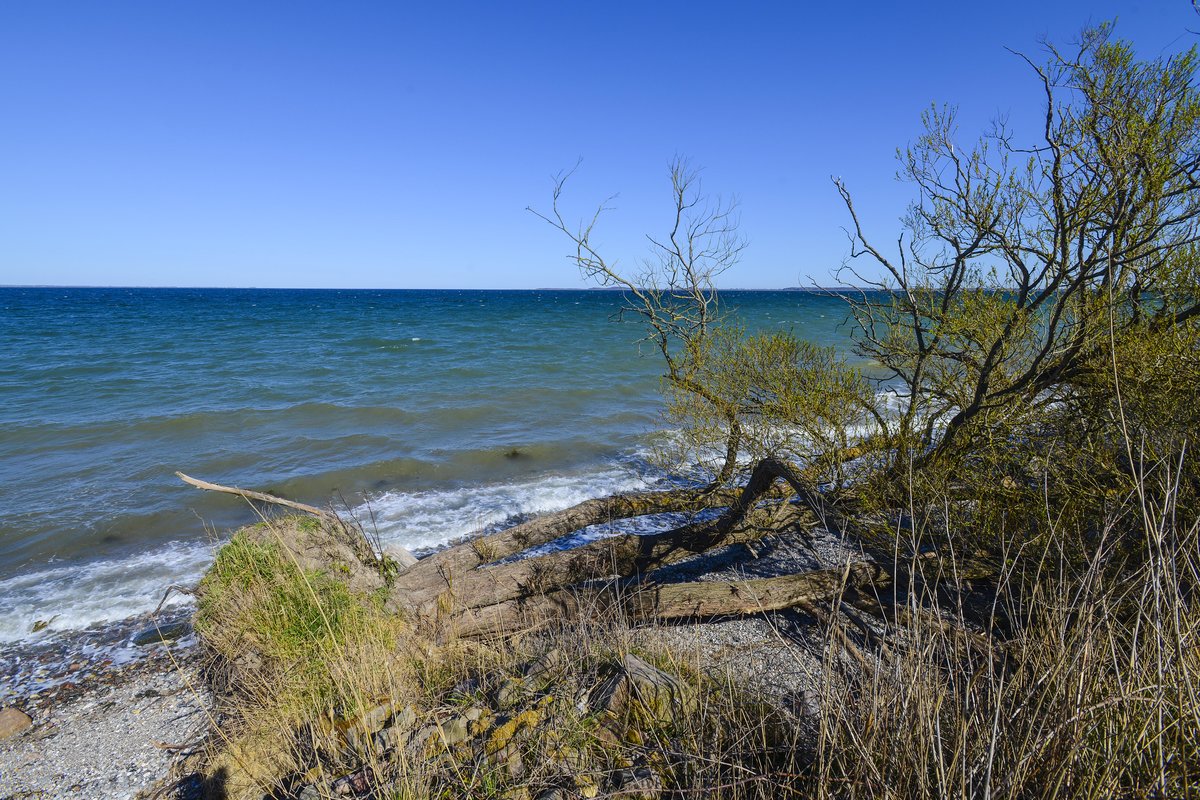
[(510, 693), (635, 681), (403, 558), (639, 783), (13, 721), (393, 736), (541, 671)]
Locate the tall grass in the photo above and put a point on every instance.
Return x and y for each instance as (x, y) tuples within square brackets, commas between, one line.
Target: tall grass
[(1083, 680)]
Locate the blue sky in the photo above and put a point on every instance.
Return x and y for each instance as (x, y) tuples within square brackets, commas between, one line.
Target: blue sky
[(397, 145)]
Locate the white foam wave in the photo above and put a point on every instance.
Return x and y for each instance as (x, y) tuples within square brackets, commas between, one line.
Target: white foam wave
[(72, 597), (424, 520)]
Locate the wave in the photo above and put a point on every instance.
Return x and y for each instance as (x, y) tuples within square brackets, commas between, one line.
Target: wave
[(72, 596), (423, 521), (75, 597)]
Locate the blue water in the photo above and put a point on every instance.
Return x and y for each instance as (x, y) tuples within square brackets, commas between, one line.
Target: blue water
[(433, 413)]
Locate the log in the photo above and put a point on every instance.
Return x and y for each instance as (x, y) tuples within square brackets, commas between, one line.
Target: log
[(546, 528), (665, 602), (730, 598), (261, 497), (629, 555)]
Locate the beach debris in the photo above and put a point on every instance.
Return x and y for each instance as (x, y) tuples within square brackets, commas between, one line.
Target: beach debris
[(41, 624), (161, 633)]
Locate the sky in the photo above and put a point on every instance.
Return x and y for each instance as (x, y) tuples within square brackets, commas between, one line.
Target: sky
[(400, 144)]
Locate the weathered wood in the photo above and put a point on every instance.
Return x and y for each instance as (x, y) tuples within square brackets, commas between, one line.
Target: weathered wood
[(664, 602), (726, 598), (548, 527), (261, 497), (629, 555)]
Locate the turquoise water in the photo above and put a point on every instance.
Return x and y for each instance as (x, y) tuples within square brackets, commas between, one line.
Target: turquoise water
[(432, 413)]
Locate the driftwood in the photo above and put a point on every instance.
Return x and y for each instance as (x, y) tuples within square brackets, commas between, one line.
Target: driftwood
[(463, 588), (262, 497), (652, 602)]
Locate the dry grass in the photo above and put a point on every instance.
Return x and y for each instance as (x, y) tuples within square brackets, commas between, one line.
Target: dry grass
[(1058, 677), (1083, 680)]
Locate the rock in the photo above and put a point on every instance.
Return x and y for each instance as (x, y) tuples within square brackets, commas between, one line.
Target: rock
[(13, 721), (400, 556), (636, 682), (355, 783), (374, 720), (502, 735), (394, 735), (455, 730), (638, 783), (541, 672), (510, 693), (161, 633)]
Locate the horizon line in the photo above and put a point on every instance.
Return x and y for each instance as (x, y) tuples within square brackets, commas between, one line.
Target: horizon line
[(412, 289)]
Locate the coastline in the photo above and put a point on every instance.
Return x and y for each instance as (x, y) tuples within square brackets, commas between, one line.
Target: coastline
[(108, 730)]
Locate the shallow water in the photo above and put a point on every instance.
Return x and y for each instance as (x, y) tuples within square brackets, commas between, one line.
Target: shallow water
[(431, 415)]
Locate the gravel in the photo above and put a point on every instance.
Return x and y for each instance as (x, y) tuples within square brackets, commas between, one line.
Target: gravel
[(113, 737), (777, 654)]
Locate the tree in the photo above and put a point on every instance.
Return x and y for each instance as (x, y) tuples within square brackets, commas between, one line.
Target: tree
[(673, 292), (1024, 273)]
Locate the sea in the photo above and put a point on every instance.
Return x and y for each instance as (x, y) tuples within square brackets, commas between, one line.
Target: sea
[(428, 415)]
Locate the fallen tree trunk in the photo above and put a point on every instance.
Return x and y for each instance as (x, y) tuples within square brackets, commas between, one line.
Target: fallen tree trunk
[(548, 527), (664, 602), (628, 555)]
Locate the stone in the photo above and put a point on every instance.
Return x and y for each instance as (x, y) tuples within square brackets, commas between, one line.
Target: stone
[(455, 730), (394, 735), (374, 720), (510, 693), (502, 735), (161, 633), (13, 721), (541, 672), (636, 682), (355, 783), (403, 558), (637, 783)]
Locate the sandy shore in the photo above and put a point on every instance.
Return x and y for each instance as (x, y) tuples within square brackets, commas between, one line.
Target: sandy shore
[(111, 736)]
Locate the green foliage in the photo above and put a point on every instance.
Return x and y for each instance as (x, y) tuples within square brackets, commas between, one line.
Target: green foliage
[(1040, 312), (256, 597), (790, 397)]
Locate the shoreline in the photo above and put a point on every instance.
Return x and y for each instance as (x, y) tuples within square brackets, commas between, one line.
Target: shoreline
[(111, 732)]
